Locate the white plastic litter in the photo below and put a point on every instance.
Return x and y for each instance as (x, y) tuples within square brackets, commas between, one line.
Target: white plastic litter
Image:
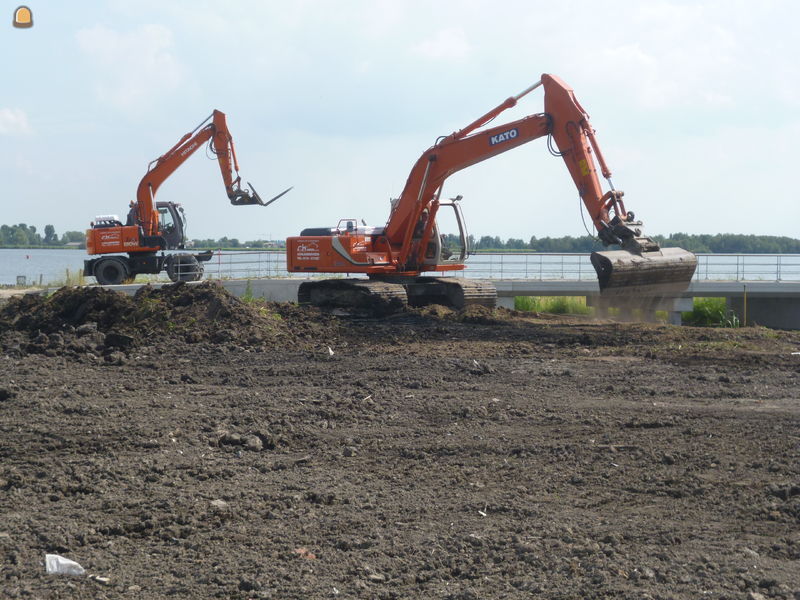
[(58, 565)]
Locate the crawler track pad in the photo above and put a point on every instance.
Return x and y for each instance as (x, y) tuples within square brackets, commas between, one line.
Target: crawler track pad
[(664, 272), (355, 296), (455, 292)]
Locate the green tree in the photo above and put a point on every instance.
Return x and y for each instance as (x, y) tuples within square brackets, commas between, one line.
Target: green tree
[(73, 236), (485, 242), (50, 234), (20, 237)]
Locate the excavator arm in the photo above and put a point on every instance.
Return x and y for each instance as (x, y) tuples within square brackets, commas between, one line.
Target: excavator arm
[(213, 129), (575, 139), (641, 266)]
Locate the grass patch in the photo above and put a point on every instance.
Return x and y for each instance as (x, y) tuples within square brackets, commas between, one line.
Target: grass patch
[(558, 305), (248, 296), (71, 278), (258, 303), (710, 312)]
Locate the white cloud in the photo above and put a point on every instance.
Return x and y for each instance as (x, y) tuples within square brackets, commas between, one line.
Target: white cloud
[(134, 67), (447, 44), (14, 121), (675, 55)]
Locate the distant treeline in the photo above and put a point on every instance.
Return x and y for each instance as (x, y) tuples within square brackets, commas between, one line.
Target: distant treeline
[(718, 243), (226, 242), (26, 236), (703, 243), (732, 243)]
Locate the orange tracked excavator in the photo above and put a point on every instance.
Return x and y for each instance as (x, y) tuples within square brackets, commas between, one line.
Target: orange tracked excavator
[(395, 256), (154, 227)]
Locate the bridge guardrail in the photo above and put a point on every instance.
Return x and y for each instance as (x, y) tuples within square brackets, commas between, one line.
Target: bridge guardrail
[(528, 265)]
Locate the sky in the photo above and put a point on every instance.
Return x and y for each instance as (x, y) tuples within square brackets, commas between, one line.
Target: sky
[(695, 105)]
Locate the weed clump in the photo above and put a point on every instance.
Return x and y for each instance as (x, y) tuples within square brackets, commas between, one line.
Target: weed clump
[(557, 305), (710, 312)]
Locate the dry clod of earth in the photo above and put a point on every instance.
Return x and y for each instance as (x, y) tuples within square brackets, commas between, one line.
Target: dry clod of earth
[(184, 443)]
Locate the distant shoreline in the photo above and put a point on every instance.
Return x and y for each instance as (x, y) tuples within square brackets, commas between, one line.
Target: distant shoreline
[(40, 248)]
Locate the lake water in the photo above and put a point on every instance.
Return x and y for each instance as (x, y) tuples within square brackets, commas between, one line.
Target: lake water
[(49, 264)]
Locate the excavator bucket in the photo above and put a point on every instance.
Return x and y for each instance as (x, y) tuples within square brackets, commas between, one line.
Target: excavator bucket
[(663, 272)]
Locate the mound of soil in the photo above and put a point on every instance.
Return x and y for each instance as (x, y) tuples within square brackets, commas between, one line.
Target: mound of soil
[(76, 321)]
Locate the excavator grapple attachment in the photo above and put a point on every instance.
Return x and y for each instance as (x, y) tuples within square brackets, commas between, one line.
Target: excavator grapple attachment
[(271, 200), (240, 197), (663, 272)]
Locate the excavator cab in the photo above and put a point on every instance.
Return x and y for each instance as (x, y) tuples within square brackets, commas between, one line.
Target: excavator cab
[(438, 251), (172, 225)]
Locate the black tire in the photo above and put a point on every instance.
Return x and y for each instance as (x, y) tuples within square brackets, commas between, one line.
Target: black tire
[(184, 267), (111, 271)]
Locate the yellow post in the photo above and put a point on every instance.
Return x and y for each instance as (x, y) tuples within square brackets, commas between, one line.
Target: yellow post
[(745, 306)]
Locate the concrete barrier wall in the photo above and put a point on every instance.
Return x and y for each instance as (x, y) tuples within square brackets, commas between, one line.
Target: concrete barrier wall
[(273, 290), (778, 313)]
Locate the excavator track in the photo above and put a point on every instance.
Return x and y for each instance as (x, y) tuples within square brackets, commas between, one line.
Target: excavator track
[(354, 296), (376, 297), (450, 291)]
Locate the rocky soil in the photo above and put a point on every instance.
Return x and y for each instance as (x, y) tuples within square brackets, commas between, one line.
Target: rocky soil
[(185, 444)]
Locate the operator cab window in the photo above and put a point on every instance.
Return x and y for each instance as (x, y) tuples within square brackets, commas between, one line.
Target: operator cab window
[(165, 220)]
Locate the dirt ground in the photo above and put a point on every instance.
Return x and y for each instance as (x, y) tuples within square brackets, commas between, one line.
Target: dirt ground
[(185, 444)]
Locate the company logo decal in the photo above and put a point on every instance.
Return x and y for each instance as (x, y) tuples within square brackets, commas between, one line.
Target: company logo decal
[(503, 137), (307, 250)]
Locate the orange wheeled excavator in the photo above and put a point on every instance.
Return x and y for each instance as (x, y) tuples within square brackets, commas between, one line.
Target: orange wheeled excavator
[(152, 227), (395, 256)]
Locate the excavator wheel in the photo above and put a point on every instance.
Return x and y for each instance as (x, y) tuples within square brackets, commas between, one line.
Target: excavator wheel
[(111, 271), (183, 267)]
